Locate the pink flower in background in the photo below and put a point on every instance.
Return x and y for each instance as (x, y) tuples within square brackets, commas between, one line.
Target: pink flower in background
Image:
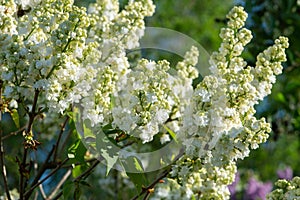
[(286, 173), (257, 190), (232, 186)]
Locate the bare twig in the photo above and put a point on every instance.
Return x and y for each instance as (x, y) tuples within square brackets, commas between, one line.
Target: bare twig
[(28, 130), (61, 182), (58, 195), (22, 173), (32, 114), (148, 189), (2, 164), (14, 132), (147, 196), (78, 163), (66, 140), (83, 175), (46, 164), (62, 129), (29, 192), (43, 168), (87, 172), (42, 191)]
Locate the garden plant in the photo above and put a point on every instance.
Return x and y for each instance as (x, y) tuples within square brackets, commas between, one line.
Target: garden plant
[(74, 102)]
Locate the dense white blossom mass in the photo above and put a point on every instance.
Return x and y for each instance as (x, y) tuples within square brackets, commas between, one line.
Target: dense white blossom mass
[(218, 125)]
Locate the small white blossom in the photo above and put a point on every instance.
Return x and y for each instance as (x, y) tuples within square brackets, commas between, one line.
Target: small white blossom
[(165, 138)]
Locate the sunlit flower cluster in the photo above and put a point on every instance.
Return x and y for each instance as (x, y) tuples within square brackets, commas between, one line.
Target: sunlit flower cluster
[(219, 126), (151, 97), (286, 189), (68, 53), (197, 179)]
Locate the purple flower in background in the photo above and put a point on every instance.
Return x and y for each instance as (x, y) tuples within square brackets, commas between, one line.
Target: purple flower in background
[(232, 186), (286, 173), (257, 190)]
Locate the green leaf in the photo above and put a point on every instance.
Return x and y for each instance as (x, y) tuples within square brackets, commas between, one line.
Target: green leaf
[(193, 197), (139, 180), (15, 117), (173, 135), (79, 169), (280, 97), (133, 164), (87, 131), (112, 101), (108, 150), (77, 151), (68, 190), (137, 165)]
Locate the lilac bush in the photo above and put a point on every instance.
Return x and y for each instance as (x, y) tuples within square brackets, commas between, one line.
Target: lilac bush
[(55, 55)]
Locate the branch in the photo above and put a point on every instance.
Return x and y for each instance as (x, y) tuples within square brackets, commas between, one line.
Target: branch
[(87, 171), (43, 168), (2, 165), (78, 163), (46, 164), (42, 191), (84, 174), (22, 172), (149, 188), (35, 165), (14, 132), (28, 131), (61, 182), (66, 140), (62, 129), (29, 192)]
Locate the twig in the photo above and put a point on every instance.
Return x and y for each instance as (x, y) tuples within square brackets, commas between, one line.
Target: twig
[(64, 143), (35, 166), (61, 182), (43, 168), (58, 195), (146, 190), (62, 129), (78, 163), (87, 171), (42, 191), (22, 171), (14, 132), (28, 130), (29, 192), (84, 174), (46, 164), (147, 196), (2, 165), (36, 195), (163, 175)]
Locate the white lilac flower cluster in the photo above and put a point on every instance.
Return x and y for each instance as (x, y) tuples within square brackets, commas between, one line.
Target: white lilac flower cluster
[(71, 55), (151, 97), (286, 190), (68, 54), (219, 126)]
